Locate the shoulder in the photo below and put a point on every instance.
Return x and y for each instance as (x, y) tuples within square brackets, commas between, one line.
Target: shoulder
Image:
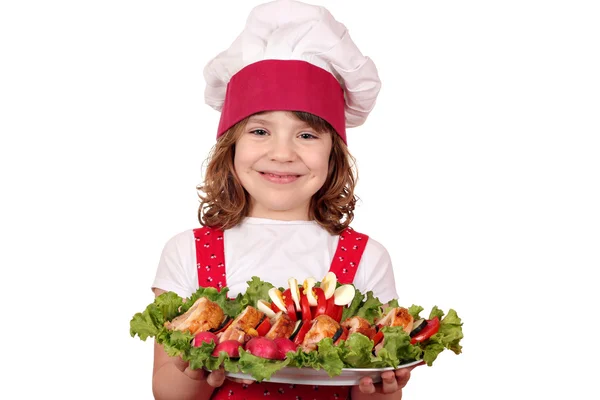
[(180, 240), (373, 250)]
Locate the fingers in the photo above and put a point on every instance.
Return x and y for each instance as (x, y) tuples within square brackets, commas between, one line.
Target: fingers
[(244, 381), (216, 378), (389, 383), (402, 377), (366, 386), (196, 374)]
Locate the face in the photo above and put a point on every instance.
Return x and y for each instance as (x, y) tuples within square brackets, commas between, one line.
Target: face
[(282, 162)]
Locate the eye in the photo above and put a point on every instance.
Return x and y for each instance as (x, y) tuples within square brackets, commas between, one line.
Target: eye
[(258, 132), (308, 135)]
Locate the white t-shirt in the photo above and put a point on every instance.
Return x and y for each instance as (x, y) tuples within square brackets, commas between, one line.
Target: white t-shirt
[(274, 251)]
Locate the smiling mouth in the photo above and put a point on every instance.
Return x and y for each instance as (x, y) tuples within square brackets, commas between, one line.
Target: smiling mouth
[(279, 178), (275, 175)]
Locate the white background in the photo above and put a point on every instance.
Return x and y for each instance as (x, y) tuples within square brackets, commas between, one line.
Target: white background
[(479, 171)]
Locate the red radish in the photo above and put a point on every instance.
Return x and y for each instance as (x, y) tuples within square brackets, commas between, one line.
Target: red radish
[(285, 345), (263, 347), (205, 337), (231, 347)]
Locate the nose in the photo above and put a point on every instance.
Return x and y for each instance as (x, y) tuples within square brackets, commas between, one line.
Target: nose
[(282, 149)]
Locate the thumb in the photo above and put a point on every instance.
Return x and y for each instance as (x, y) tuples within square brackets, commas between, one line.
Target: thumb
[(216, 378)]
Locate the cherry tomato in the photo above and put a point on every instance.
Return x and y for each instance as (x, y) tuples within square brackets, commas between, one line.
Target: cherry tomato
[(432, 327), (263, 327), (306, 325)]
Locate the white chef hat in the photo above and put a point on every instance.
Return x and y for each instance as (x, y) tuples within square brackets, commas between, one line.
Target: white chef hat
[(297, 57)]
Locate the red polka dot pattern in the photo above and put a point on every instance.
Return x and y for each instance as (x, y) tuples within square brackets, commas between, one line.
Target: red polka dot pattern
[(210, 257)]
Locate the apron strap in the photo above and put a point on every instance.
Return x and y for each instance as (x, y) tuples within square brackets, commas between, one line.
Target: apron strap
[(350, 248), (210, 257)]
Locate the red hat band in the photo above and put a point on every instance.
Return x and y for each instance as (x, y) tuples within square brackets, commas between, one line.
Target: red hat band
[(284, 85)]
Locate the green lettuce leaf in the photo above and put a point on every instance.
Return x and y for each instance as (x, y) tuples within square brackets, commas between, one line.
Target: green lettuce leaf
[(370, 309), (197, 356), (168, 303), (257, 290), (436, 312), (259, 368), (353, 307), (447, 337), (146, 324), (415, 311), (229, 306), (329, 357), (358, 351)]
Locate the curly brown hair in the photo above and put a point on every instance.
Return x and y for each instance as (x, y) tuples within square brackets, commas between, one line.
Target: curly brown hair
[(224, 202)]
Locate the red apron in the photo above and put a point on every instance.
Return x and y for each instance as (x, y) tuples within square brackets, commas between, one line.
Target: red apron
[(210, 258)]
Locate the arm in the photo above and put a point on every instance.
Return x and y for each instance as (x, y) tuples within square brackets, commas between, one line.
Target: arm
[(173, 379)]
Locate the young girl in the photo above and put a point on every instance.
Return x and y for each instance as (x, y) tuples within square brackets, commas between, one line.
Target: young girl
[(278, 195)]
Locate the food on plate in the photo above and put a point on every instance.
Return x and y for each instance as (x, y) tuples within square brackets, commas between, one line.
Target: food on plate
[(244, 326), (205, 337), (281, 327), (202, 316), (285, 345), (230, 347), (322, 325), (398, 316), (264, 348)]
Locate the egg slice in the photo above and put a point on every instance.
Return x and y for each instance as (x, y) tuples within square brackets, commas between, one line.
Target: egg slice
[(344, 295), (277, 298), (263, 306), (328, 284), (295, 292), (308, 285)]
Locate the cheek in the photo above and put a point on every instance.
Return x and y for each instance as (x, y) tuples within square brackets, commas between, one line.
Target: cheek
[(319, 165), (242, 159)]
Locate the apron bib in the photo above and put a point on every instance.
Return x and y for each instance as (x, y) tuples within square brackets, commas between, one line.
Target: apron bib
[(210, 262)]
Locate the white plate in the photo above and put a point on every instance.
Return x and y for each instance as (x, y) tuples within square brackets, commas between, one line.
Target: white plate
[(310, 376)]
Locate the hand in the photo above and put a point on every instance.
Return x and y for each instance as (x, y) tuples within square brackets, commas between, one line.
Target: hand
[(391, 381), (213, 378)]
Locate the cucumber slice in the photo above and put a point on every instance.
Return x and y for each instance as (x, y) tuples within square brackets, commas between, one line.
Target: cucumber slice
[(337, 334), (296, 329), (418, 327)]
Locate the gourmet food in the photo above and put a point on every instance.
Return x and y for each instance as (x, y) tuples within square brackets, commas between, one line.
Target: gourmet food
[(322, 325)]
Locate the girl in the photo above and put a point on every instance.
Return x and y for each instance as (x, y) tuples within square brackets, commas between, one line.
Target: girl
[(278, 195)]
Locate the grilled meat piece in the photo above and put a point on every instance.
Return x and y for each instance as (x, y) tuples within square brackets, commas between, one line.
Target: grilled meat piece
[(282, 327), (398, 316), (322, 327), (359, 325), (203, 315), (243, 327)]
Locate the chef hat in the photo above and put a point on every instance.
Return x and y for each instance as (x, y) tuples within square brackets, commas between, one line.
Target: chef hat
[(296, 57)]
